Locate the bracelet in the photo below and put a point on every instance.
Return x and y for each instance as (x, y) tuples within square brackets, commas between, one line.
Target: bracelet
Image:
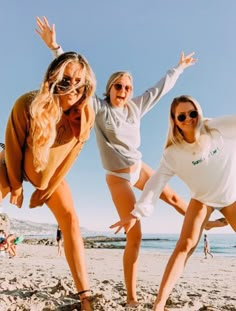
[(83, 291)]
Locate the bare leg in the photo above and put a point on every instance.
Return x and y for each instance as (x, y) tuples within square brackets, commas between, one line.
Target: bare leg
[(220, 222), (59, 248), (124, 204), (210, 254), (196, 217), (229, 213), (124, 199), (61, 204)]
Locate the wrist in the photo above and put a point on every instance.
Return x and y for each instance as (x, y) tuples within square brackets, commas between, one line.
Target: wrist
[(135, 216), (55, 47), (17, 191)]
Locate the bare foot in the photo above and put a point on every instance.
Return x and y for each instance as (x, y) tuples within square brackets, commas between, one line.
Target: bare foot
[(132, 304)]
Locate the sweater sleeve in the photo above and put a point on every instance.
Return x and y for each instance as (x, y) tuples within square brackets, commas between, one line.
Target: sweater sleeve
[(57, 52), (153, 189), (226, 125), (150, 98), (15, 138)]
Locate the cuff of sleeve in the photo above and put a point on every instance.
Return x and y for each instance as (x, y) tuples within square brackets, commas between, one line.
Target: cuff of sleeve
[(136, 214), (58, 51), (180, 68), (142, 210)]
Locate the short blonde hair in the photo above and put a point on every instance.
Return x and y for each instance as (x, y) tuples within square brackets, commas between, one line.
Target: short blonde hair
[(45, 110), (115, 76)]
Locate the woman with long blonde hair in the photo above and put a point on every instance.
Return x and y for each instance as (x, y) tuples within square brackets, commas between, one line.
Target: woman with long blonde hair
[(45, 133)]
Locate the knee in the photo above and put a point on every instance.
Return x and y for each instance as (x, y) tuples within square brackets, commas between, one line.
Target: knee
[(186, 246), (69, 220), (134, 238)]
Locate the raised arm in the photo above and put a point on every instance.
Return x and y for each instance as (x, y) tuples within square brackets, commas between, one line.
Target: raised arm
[(47, 33), (151, 96)]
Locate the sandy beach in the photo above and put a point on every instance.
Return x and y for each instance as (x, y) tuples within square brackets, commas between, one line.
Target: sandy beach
[(36, 279)]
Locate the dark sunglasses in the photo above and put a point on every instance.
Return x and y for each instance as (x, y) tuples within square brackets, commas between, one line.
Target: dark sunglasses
[(192, 114), (119, 86), (65, 85)]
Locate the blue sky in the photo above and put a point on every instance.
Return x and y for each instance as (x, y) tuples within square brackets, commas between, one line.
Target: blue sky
[(143, 37)]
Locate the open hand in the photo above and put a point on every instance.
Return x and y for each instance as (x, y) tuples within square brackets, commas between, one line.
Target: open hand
[(46, 32), (127, 223), (16, 197)]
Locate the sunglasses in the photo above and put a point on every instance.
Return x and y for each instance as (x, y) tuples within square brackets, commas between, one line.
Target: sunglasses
[(119, 86), (192, 114), (65, 86)]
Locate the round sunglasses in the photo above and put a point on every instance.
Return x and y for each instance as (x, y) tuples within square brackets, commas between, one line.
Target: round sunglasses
[(65, 86), (192, 114), (119, 86)]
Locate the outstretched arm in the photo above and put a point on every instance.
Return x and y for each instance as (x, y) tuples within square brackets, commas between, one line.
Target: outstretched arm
[(146, 101), (47, 33)]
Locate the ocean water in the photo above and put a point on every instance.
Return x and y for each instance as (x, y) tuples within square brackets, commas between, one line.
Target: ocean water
[(220, 244)]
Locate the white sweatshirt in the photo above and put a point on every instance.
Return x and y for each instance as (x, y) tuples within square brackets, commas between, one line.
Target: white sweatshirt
[(209, 171)]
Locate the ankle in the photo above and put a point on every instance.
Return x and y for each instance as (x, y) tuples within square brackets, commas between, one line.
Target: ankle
[(84, 294)]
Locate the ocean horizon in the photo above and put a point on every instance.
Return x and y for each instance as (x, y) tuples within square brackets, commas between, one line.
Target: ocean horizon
[(220, 244)]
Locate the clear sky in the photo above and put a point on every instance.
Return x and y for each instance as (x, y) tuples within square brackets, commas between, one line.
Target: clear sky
[(143, 37)]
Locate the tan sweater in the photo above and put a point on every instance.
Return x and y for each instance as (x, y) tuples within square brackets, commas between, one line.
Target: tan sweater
[(63, 153)]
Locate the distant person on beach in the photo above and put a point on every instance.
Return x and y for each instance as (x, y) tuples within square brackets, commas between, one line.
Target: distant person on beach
[(2, 236), (206, 247), (117, 127), (45, 133), (2, 242), (8, 243), (59, 241), (202, 153)]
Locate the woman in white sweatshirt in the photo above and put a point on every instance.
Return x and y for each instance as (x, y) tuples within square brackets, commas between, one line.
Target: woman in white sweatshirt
[(202, 153)]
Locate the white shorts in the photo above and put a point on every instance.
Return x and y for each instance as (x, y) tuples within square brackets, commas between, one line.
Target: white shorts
[(132, 177)]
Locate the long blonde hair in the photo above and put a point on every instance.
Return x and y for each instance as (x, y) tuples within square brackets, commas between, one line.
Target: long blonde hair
[(174, 134), (45, 109)]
